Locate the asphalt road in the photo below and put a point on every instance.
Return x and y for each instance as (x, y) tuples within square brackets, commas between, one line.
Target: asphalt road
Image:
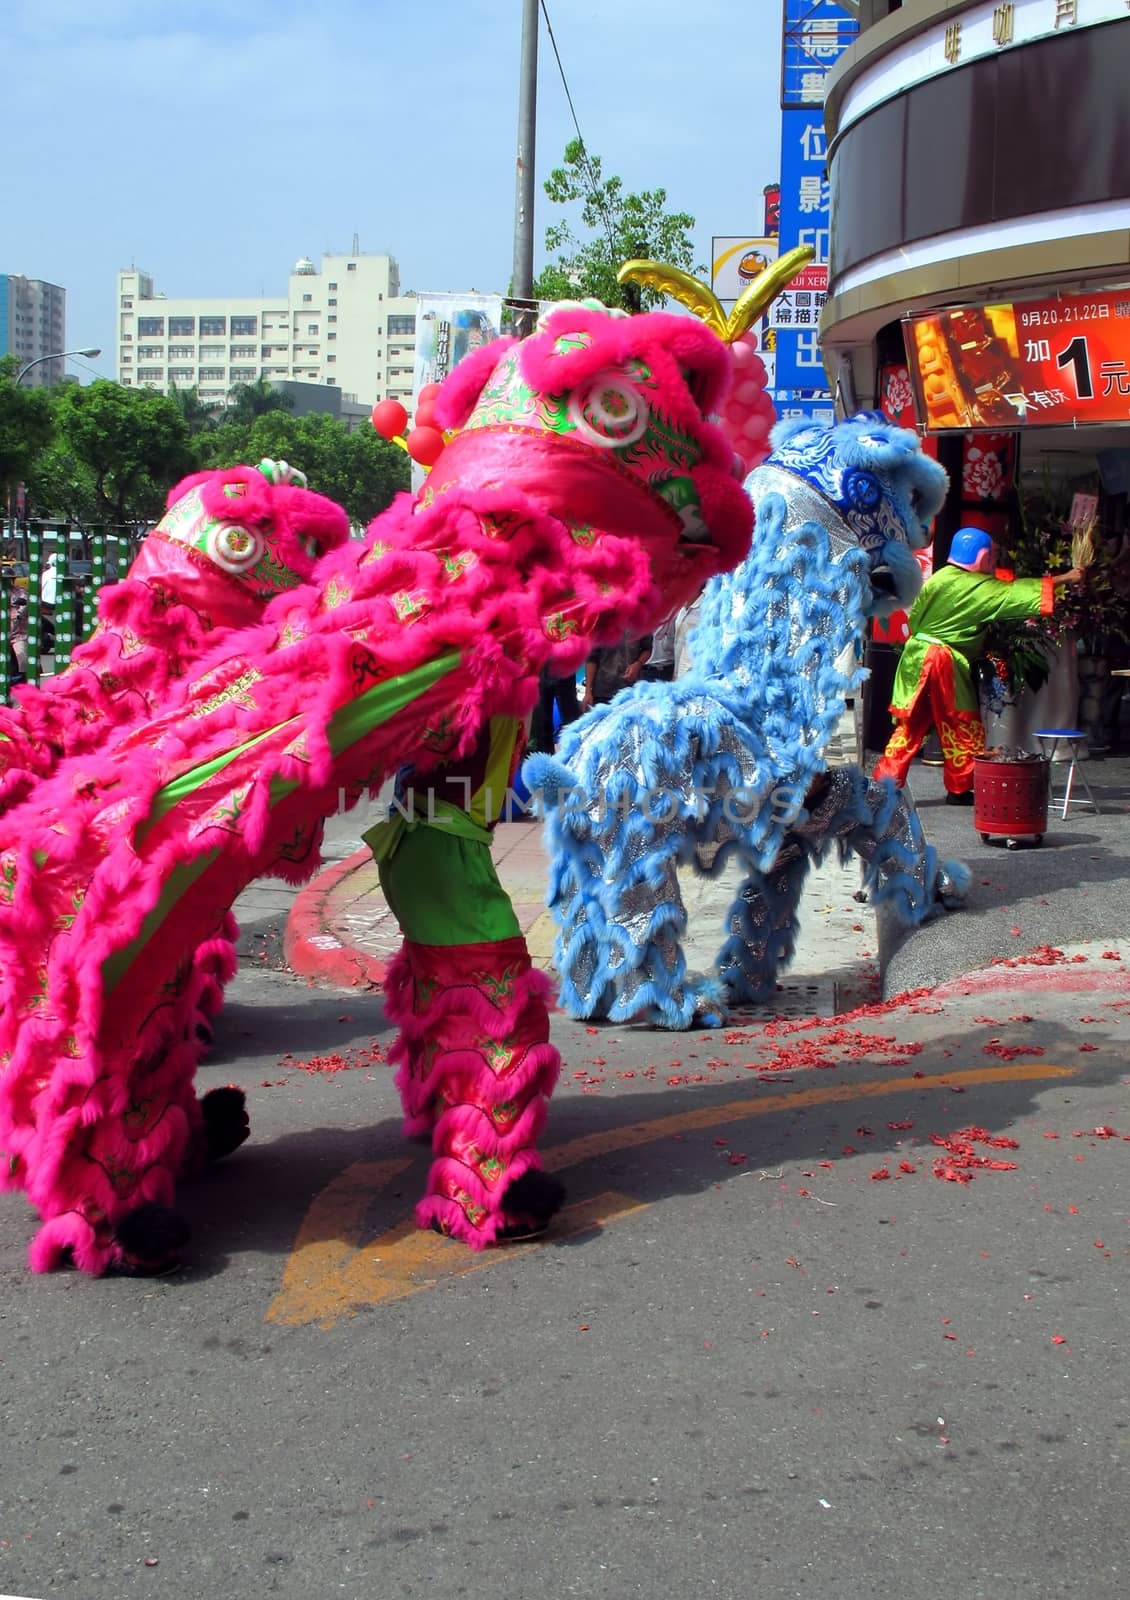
[(744, 1365)]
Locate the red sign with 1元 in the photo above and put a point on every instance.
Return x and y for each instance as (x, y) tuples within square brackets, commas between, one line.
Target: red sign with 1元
[(1026, 364)]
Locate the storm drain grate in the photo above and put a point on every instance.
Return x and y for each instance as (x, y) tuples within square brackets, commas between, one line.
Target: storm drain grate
[(815, 997)]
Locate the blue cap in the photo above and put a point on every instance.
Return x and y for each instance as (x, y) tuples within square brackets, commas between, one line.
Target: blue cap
[(968, 546)]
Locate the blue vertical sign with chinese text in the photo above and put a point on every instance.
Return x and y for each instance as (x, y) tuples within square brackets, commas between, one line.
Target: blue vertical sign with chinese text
[(816, 34)]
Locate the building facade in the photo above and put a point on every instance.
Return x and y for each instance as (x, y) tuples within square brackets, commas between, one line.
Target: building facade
[(345, 325), (979, 265), (979, 158), (33, 324)]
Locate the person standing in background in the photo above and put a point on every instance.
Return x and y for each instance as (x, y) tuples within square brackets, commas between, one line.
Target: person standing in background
[(613, 667), (660, 664), (934, 680), (553, 692)]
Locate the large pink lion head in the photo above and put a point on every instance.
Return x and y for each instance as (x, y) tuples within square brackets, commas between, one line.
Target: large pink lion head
[(605, 418)]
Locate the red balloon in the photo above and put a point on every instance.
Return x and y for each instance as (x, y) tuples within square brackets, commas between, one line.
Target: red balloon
[(427, 395), (425, 412), (389, 418), (425, 445)]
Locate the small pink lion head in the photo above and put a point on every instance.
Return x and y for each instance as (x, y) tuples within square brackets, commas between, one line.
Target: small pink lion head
[(260, 526)]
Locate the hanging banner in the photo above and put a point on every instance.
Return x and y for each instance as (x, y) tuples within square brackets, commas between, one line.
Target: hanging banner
[(450, 326), (1032, 363)]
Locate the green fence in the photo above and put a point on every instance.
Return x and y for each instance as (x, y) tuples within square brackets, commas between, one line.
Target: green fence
[(83, 562)]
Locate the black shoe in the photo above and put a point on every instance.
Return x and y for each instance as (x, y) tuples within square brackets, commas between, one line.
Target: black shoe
[(963, 799)]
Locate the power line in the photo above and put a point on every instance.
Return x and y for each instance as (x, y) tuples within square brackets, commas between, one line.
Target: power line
[(586, 168)]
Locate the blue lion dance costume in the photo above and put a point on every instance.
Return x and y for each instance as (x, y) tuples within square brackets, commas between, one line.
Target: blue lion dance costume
[(733, 759)]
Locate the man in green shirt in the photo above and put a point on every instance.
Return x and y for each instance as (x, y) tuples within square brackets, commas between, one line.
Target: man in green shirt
[(934, 681)]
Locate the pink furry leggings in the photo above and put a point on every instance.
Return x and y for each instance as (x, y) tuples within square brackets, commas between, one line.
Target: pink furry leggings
[(476, 1069)]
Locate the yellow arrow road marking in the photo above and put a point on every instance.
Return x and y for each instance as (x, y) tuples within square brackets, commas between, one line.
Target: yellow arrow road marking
[(403, 1261), (330, 1272)]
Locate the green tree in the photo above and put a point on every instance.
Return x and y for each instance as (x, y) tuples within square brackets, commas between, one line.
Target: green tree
[(199, 416), (620, 226), (25, 428), (246, 401), (61, 488), (135, 443), (361, 471)]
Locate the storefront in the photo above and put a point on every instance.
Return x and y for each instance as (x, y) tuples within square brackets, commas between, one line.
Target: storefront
[(979, 273)]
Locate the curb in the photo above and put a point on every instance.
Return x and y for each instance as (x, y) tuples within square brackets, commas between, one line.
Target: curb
[(310, 946)]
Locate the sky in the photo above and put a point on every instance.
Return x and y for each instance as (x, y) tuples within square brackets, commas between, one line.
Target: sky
[(212, 143)]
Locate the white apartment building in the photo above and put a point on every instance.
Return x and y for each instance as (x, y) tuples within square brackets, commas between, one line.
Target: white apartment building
[(347, 325)]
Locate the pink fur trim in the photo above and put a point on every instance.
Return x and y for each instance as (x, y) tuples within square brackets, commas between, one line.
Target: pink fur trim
[(96, 1098)]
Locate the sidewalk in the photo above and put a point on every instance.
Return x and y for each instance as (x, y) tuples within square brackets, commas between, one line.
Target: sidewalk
[(1074, 890), (1071, 892)]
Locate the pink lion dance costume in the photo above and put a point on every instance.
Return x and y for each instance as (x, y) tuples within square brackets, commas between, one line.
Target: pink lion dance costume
[(229, 542), (586, 493)]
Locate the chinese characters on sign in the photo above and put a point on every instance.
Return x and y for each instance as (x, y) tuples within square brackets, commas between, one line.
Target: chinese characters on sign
[(804, 221), (1065, 360), (816, 34), (800, 305), (1004, 23), (953, 43)]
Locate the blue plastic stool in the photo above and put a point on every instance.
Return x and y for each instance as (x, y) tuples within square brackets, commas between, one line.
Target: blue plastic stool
[(1068, 736)]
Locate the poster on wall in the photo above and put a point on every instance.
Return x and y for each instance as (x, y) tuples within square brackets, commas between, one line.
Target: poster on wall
[(1022, 364), (450, 326)]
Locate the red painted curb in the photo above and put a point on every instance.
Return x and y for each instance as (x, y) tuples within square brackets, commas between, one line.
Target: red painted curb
[(311, 947), (1054, 979)]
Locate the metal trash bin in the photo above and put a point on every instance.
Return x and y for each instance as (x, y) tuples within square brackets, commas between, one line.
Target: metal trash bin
[(1010, 798)]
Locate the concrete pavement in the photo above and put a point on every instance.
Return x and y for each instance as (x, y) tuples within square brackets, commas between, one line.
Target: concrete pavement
[(835, 1305)]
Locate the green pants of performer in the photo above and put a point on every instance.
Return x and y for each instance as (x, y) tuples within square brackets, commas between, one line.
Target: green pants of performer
[(475, 1066)]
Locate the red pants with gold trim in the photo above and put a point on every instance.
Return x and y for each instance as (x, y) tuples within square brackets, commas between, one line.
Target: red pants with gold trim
[(934, 705), (476, 1069)]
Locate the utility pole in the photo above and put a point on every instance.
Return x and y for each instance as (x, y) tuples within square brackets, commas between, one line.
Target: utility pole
[(522, 285)]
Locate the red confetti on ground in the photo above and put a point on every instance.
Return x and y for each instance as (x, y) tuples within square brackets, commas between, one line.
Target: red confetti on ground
[(907, 1166), (879, 1175), (1044, 955), (1058, 1338), (962, 1158), (900, 1127), (364, 1056), (1009, 1052), (1112, 955)]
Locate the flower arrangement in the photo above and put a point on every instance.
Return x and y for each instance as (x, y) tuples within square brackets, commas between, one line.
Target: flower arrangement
[(1020, 654)]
